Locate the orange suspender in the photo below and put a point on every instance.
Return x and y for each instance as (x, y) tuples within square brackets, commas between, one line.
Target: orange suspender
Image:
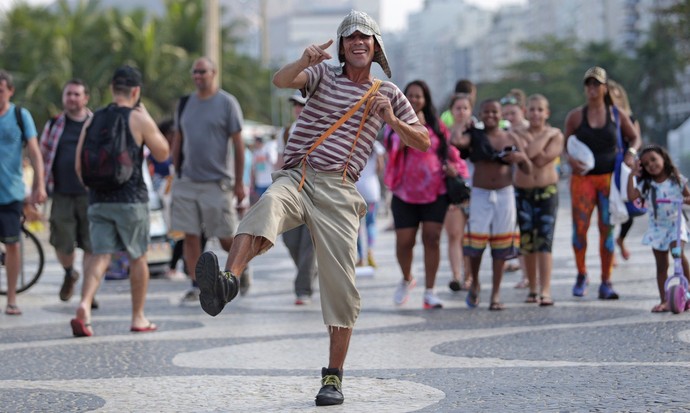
[(374, 88)]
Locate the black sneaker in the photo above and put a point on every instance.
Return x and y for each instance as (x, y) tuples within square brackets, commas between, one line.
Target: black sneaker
[(67, 288), (331, 392), (217, 288)]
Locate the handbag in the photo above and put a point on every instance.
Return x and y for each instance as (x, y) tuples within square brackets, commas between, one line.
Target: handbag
[(622, 171), (457, 189)]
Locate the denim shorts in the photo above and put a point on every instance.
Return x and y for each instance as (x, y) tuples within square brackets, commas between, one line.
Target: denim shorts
[(119, 227)]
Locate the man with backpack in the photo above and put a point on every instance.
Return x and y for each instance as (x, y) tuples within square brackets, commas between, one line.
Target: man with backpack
[(209, 173), (69, 225), (109, 160), (17, 130)]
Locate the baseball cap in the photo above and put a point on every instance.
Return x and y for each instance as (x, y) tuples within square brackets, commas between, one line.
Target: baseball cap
[(298, 98), (597, 73), (363, 23), (126, 76)]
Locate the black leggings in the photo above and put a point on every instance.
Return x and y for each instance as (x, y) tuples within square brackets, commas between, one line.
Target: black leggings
[(625, 227)]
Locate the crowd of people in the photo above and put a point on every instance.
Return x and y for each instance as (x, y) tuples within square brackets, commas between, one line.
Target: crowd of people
[(318, 184)]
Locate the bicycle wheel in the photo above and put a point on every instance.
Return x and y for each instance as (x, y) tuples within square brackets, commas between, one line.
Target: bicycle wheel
[(31, 263)]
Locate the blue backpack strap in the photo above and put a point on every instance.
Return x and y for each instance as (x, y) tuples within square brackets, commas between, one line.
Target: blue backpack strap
[(619, 149)]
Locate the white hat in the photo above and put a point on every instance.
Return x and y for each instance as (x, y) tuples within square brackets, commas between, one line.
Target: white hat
[(363, 23)]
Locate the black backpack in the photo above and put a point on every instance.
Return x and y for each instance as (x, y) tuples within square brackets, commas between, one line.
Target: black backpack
[(106, 163)]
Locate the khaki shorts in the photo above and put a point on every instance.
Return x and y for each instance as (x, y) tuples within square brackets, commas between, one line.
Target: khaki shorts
[(332, 209), (207, 207), (69, 224), (119, 227)]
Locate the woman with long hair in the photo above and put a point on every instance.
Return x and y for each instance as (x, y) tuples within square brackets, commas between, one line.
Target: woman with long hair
[(421, 196)]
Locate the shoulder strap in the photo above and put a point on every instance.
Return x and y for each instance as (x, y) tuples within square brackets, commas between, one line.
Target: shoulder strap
[(374, 87), (181, 105), (20, 119), (51, 122)]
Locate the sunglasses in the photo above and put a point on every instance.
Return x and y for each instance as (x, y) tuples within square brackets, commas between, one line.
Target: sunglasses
[(508, 100), (592, 82), (199, 71)]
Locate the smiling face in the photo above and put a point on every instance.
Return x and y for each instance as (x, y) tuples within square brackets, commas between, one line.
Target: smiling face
[(358, 49), (537, 112), (490, 114), (415, 95), (653, 163)]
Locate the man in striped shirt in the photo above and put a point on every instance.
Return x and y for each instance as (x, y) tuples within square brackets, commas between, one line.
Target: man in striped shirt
[(316, 186)]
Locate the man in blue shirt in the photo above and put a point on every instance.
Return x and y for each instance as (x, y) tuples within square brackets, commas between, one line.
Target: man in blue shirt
[(12, 191)]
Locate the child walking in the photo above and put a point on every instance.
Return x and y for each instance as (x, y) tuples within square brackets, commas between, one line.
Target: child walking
[(658, 178)]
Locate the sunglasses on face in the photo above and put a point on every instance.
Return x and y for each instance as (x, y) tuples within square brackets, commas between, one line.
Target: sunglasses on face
[(592, 82), (508, 100), (199, 71)]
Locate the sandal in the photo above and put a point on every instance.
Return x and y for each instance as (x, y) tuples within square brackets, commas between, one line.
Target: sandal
[(12, 309), (496, 306), (532, 298), (660, 308), (472, 299), (545, 301), (524, 283), (511, 267)]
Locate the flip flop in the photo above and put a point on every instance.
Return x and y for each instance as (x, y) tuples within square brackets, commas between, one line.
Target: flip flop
[(496, 306), (511, 267), (472, 299), (80, 328), (148, 329), (522, 284), (12, 309), (532, 298), (545, 301), (660, 308)]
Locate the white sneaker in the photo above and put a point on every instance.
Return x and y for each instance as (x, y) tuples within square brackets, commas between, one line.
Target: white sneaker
[(402, 291), (191, 296), (303, 300), (431, 300)]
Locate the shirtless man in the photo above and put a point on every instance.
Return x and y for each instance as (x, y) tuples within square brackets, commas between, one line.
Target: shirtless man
[(492, 205), (536, 196)]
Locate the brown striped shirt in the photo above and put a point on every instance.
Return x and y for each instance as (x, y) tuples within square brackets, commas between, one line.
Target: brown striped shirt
[(330, 97)]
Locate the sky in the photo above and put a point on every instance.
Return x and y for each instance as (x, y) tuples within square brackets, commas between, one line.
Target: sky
[(393, 12)]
